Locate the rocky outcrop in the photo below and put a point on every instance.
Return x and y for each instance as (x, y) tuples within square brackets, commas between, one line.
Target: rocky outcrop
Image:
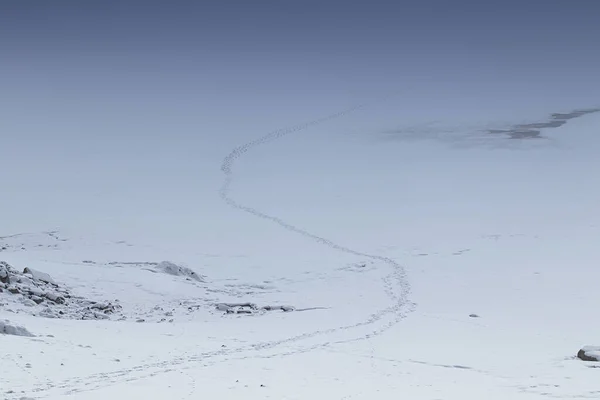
[(37, 291)]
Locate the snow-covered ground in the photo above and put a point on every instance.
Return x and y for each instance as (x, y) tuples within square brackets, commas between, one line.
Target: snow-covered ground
[(440, 260)]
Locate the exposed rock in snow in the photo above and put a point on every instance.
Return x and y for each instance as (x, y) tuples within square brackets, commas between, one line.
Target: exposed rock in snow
[(7, 328), (42, 296), (237, 308), (4, 273), (38, 276), (55, 298), (249, 308), (589, 353), (282, 308), (170, 268)]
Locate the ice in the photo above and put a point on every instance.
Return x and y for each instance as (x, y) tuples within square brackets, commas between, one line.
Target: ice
[(447, 262)]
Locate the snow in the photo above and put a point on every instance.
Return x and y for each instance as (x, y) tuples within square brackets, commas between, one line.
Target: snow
[(457, 265)]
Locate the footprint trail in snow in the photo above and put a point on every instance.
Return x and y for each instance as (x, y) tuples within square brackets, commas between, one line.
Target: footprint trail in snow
[(396, 285)]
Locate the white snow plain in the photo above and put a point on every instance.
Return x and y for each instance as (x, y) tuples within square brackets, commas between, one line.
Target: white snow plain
[(429, 262)]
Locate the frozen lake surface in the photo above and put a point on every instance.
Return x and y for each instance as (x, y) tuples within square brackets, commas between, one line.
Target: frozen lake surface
[(454, 264)]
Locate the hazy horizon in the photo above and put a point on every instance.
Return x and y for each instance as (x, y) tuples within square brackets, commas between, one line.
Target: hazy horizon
[(106, 101)]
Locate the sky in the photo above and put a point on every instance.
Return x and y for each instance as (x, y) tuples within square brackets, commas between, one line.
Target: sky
[(104, 101), (188, 57)]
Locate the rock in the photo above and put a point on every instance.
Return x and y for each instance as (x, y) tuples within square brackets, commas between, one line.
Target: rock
[(222, 307), (282, 308), (48, 313), (249, 308), (473, 315), (589, 353), (106, 308), (55, 298), (4, 275), (99, 316), (37, 299), (39, 276), (14, 290), (7, 328), (36, 292), (28, 302), (239, 311), (26, 280), (170, 268)]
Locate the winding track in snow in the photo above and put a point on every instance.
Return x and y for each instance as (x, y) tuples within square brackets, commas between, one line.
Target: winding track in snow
[(396, 284)]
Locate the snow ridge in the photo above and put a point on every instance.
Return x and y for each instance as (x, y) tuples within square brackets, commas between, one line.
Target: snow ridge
[(396, 284)]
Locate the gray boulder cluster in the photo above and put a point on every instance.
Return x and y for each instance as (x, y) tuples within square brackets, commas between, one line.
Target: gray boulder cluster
[(39, 292)]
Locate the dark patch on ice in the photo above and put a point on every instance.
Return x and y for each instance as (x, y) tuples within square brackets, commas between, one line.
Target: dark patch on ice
[(534, 130)]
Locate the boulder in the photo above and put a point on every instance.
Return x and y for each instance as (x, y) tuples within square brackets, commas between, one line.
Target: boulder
[(282, 308), (589, 353), (34, 291), (170, 268), (4, 276), (14, 290), (39, 276), (28, 302), (7, 328), (55, 298)]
